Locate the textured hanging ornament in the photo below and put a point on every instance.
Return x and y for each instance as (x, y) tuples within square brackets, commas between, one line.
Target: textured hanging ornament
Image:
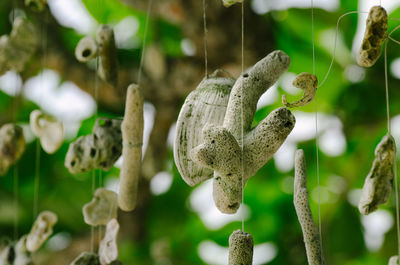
[(36, 5), (228, 3), (378, 184), (205, 105), (394, 260), (22, 255), (48, 130), (41, 230), (87, 258), (18, 48), (108, 55), (108, 250), (102, 208), (375, 34), (98, 150), (7, 255), (310, 231), (12, 146), (132, 138), (86, 49), (221, 149), (240, 248), (306, 82)]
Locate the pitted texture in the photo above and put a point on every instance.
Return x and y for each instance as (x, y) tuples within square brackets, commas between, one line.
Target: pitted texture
[(48, 130), (98, 150), (87, 258), (259, 143), (228, 3), (310, 231), (132, 135), (12, 146), (378, 184), (41, 230), (205, 105), (18, 48), (306, 82), (240, 248), (394, 260), (374, 36), (108, 250), (86, 49), (36, 5), (108, 55), (102, 208)]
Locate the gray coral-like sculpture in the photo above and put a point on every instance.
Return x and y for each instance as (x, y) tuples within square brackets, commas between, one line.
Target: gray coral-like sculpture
[(12, 146), (374, 36), (378, 184), (235, 150), (310, 231), (240, 248), (18, 48), (98, 150)]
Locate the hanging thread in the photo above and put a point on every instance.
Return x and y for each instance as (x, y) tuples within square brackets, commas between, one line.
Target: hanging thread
[(144, 40), (205, 38), (242, 121)]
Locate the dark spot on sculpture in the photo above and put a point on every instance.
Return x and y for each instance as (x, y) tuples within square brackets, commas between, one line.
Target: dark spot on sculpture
[(114, 150), (233, 206), (86, 53), (92, 152), (11, 255), (213, 141), (73, 162), (288, 124), (245, 75)]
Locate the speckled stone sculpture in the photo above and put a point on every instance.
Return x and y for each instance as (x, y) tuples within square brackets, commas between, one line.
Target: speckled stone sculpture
[(41, 230), (235, 150), (48, 130), (378, 184), (36, 5), (108, 250), (394, 260), (205, 105), (132, 138), (240, 248), (98, 150), (17, 49), (87, 258), (102, 208), (108, 55), (306, 82), (374, 36), (228, 3), (86, 49), (310, 231), (12, 146)]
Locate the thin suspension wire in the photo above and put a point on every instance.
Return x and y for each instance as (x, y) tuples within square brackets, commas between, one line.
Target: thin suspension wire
[(396, 187), (334, 45), (316, 128), (144, 40), (242, 121), (205, 38)]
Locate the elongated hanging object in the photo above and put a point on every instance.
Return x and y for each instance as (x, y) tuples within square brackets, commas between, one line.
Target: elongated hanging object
[(12, 146), (375, 34), (378, 184), (310, 231), (205, 105), (240, 248), (86, 49), (108, 55), (228, 3), (394, 260), (41, 230), (102, 208), (108, 250), (308, 83), (132, 137)]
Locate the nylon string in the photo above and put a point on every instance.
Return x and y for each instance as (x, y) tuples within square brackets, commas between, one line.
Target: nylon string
[(205, 38), (144, 41), (242, 121)]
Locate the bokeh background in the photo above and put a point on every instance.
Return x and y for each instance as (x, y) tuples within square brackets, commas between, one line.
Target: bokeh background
[(174, 223)]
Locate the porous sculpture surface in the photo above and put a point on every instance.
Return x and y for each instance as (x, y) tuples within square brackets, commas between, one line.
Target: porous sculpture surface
[(102, 208), (240, 248), (12, 146), (41, 230), (108, 250)]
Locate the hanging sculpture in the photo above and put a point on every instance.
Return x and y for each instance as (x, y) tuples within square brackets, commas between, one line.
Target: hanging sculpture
[(375, 34), (378, 184), (41, 230), (102, 208), (48, 130), (132, 135), (221, 149), (108, 250), (12, 146), (86, 49), (394, 260), (310, 231), (240, 248), (306, 82), (98, 150), (108, 55)]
